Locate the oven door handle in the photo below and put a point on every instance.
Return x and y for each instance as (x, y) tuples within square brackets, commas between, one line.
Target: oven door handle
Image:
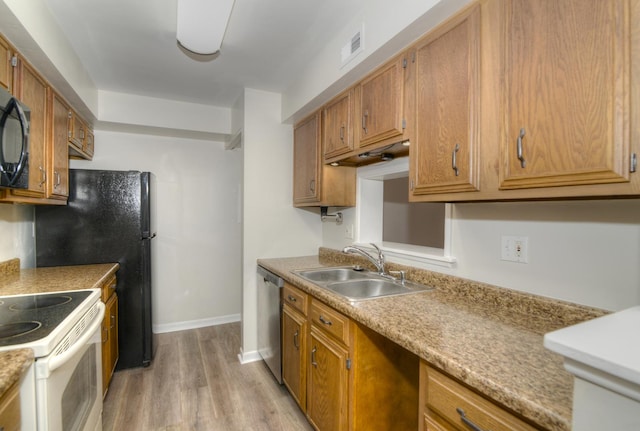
[(60, 359)]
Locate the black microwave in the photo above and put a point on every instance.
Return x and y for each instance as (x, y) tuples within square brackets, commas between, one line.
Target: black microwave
[(14, 142)]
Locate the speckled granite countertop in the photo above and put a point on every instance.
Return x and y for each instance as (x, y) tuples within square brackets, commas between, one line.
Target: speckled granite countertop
[(56, 278), (487, 337), (14, 281), (12, 364)]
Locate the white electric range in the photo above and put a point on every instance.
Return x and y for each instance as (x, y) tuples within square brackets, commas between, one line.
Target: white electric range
[(63, 390)]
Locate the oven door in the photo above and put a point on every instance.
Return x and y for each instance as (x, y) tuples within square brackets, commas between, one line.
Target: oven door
[(68, 384)]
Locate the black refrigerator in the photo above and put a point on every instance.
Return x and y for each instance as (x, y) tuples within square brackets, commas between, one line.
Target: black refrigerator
[(109, 217)]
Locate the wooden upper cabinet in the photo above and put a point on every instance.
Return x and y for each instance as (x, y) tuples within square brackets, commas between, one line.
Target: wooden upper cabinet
[(58, 185), (315, 184), (32, 90), (77, 131), (89, 143), (444, 153), (381, 103), (306, 161), (6, 71), (566, 75), (337, 126)]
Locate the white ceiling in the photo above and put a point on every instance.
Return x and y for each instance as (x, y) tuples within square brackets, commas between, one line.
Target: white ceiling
[(129, 46)]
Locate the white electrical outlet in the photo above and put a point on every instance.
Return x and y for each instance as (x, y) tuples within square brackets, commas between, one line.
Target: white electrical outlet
[(515, 249), (348, 231)]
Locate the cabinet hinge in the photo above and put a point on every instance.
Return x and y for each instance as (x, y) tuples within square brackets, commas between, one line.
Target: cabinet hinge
[(14, 61), (348, 364), (633, 165), (404, 124), (404, 63)]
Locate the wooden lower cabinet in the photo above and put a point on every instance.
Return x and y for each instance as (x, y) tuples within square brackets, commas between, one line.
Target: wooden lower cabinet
[(447, 405), (110, 352), (356, 379), (10, 409), (328, 378), (294, 343)]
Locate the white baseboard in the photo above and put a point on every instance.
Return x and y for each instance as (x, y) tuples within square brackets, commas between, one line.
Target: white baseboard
[(246, 357), (194, 324)]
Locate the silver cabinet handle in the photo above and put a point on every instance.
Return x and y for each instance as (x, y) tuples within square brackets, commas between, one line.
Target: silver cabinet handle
[(323, 320), (43, 175), (296, 343), (312, 186), (313, 357), (58, 179), (454, 162), (342, 133), (291, 298), (523, 163), (364, 121), (467, 421)]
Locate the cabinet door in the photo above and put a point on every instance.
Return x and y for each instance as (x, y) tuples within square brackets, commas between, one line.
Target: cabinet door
[(58, 185), (294, 342), (10, 409), (306, 161), (444, 156), (6, 71), (32, 91), (566, 105), (381, 102), (337, 126), (76, 131), (327, 392), (89, 142), (109, 341)]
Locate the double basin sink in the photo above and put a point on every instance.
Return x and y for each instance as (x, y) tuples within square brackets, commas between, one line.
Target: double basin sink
[(357, 285)]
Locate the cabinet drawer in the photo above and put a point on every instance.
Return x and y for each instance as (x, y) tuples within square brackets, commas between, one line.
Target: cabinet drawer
[(295, 298), (330, 321), (109, 288), (10, 410), (448, 399)]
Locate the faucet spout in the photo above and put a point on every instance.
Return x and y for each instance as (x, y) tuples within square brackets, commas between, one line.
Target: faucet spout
[(377, 262)]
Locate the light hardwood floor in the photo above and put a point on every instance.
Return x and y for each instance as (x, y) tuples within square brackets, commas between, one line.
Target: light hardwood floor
[(197, 383)]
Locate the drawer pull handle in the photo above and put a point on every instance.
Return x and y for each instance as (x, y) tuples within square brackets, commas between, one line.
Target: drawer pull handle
[(323, 320), (291, 298), (467, 421), (296, 343), (313, 357)]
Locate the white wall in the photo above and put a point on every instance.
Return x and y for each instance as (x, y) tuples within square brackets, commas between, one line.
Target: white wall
[(197, 278), (271, 227), (585, 252), (16, 234), (389, 26)]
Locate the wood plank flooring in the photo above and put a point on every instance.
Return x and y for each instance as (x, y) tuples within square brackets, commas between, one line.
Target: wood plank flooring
[(197, 383)]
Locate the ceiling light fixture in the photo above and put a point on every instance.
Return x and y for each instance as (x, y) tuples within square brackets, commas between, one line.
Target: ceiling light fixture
[(202, 24)]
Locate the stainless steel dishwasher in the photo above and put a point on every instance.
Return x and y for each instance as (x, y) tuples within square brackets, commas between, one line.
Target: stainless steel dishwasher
[(269, 308)]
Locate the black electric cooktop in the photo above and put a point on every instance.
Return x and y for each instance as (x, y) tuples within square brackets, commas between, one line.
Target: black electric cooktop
[(28, 318)]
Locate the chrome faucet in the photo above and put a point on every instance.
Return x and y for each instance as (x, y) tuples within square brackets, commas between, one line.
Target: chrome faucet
[(379, 262)]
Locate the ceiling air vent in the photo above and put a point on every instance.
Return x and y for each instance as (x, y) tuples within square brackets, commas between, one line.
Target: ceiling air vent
[(353, 47)]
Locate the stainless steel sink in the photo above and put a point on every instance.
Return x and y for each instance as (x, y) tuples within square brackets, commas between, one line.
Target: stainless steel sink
[(359, 285), (330, 275)]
